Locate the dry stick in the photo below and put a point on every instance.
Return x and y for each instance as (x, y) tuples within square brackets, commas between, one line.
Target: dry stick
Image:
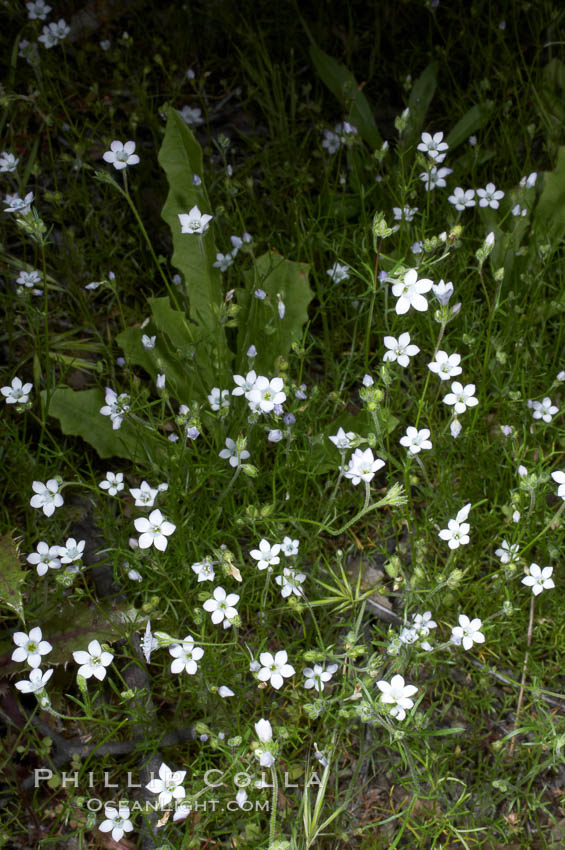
[(524, 670)]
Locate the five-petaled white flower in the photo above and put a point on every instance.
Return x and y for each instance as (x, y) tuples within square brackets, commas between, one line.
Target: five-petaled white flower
[(342, 440), (400, 350), (16, 393), (410, 292), (290, 582), (191, 115), (462, 198), (266, 394), (289, 547), (113, 483), (457, 532), (8, 162), (362, 466), (117, 821), (244, 385), (37, 681), (221, 606), (194, 221), (275, 669), (121, 155), (30, 647), (53, 33), (461, 397), (93, 662), (219, 398), (317, 676), (404, 213), (559, 477), (168, 786), (29, 279), (231, 453), (148, 342), (45, 558), (539, 579), (19, 205), (467, 632), (508, 552), (415, 440), (397, 694), (543, 409), (154, 530), (144, 495), (71, 551), (435, 177), (445, 365), (204, 570), (116, 406), (185, 655), (490, 196), (37, 10), (266, 555), (434, 146), (338, 273), (47, 496)]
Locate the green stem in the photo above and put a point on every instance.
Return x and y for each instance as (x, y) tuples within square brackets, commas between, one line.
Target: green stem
[(273, 821), (546, 528)]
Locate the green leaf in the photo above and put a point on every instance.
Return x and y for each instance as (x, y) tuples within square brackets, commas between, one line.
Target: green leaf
[(549, 214), (475, 118), (79, 415), (193, 254), (421, 96), (12, 576), (260, 322), (345, 87)]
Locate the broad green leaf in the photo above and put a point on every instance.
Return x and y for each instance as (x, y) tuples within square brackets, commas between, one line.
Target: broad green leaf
[(260, 322), (79, 415), (421, 96), (12, 576), (475, 118), (549, 214), (193, 254), (345, 87)]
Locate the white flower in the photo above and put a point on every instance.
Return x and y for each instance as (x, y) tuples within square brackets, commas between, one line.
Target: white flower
[(316, 677), (559, 477), (462, 198), (530, 181), (231, 453), (338, 273), (368, 381), (289, 547), (29, 279), (244, 385), (47, 496), (45, 558), (154, 531), (113, 483), (443, 291), (148, 342), (423, 623), (115, 407), (435, 177), (221, 606), (433, 146), (445, 365), (264, 731), (266, 393), (117, 821), (168, 786), (194, 221), (37, 681), (8, 162), (275, 669), (544, 409), (461, 397), (219, 398), (223, 262), (204, 570), (455, 428), (290, 582), (71, 551), (30, 647), (121, 155), (457, 532), (17, 204), (160, 381), (53, 33), (224, 692), (397, 694), (37, 10), (266, 555), (148, 642), (362, 466), (186, 654), (93, 662), (275, 435), (490, 196), (410, 292), (342, 440), (415, 440), (467, 632), (405, 213), (399, 350), (517, 210), (237, 243), (192, 116), (539, 579), (144, 495), (16, 392), (508, 553), (134, 575)]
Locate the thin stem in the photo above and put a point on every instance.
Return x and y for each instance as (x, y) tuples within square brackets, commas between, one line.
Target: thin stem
[(273, 821), (524, 671)]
